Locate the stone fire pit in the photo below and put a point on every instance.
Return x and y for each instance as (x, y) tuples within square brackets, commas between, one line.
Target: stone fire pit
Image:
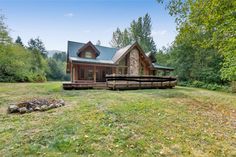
[(35, 105)]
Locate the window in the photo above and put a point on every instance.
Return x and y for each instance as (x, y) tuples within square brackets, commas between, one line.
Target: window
[(120, 71), (82, 73), (90, 74), (88, 54)]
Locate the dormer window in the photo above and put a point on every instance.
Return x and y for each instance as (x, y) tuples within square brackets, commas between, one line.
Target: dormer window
[(88, 51), (88, 54)]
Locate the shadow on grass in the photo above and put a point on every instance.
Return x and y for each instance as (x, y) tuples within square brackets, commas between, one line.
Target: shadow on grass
[(178, 92)]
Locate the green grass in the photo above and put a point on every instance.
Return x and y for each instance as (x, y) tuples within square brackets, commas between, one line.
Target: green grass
[(170, 122)]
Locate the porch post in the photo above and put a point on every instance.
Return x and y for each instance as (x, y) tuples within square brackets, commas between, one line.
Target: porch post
[(114, 70), (77, 72), (94, 73), (74, 72), (164, 72), (71, 72)]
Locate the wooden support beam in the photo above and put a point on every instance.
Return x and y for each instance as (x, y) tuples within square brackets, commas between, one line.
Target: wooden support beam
[(74, 73), (113, 70), (94, 73)]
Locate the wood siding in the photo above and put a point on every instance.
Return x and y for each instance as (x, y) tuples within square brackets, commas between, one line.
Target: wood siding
[(88, 49), (96, 72)]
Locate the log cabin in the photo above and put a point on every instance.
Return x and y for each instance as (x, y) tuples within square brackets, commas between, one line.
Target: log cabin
[(89, 64)]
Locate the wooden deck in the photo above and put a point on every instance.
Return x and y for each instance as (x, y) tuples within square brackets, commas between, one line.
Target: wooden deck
[(140, 85), (140, 82), (121, 82)]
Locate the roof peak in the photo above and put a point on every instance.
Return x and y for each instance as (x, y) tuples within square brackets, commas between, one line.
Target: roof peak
[(92, 43), (89, 44)]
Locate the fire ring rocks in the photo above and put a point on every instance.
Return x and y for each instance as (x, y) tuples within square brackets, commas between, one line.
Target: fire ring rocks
[(35, 105)]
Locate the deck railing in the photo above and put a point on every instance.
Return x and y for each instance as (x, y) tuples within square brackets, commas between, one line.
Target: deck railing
[(139, 81)]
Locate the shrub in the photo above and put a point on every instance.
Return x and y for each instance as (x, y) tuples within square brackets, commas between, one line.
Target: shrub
[(200, 84), (39, 78), (233, 86)]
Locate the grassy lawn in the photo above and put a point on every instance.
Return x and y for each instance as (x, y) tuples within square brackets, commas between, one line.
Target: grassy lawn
[(155, 122)]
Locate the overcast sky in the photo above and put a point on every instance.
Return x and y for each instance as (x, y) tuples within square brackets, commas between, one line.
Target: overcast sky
[(57, 21)]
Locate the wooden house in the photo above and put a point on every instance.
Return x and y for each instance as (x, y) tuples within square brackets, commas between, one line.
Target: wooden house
[(89, 64)]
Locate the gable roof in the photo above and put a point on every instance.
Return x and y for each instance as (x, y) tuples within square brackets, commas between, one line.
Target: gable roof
[(120, 53), (89, 44), (107, 55), (123, 51)]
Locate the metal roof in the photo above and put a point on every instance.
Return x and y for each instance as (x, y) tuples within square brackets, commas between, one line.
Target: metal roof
[(157, 66), (87, 45), (88, 60), (106, 53), (120, 53)]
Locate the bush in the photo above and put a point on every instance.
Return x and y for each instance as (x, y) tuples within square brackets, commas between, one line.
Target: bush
[(197, 84), (39, 78), (233, 86), (18, 64), (200, 84)]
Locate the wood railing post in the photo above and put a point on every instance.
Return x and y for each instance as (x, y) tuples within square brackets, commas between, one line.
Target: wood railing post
[(139, 82), (114, 81)]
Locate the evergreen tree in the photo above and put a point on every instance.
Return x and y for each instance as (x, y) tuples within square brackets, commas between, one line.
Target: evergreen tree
[(98, 42), (37, 45), (59, 56), (116, 39), (39, 64), (4, 35), (19, 41), (126, 38), (139, 31)]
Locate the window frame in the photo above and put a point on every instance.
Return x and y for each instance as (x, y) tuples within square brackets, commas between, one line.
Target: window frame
[(88, 54)]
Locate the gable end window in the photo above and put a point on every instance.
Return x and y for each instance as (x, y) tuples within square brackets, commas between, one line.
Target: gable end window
[(88, 54)]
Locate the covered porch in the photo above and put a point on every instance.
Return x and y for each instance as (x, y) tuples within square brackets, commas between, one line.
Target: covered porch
[(86, 75), (90, 73)]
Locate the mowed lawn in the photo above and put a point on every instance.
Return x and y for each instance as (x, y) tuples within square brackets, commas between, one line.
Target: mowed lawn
[(153, 122)]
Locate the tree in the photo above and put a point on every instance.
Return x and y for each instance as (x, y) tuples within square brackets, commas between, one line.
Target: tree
[(4, 35), (98, 42), (39, 63), (56, 70), (163, 56), (139, 31), (121, 39), (15, 63), (37, 45), (59, 56), (136, 29), (19, 41), (126, 38), (215, 20), (117, 39)]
